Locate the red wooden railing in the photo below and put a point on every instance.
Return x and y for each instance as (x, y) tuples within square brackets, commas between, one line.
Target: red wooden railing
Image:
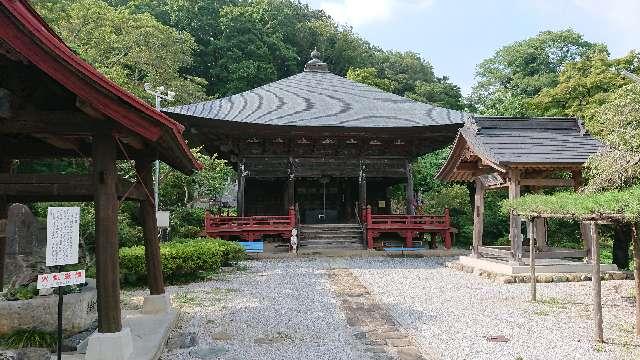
[(249, 228), (407, 226)]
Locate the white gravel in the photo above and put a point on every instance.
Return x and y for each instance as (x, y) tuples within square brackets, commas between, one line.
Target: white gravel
[(451, 313), (284, 309), (273, 310)]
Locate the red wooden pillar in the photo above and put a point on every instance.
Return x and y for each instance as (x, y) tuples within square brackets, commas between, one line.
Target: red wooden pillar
[(144, 169), (367, 220), (447, 232), (292, 216), (106, 208), (408, 237)]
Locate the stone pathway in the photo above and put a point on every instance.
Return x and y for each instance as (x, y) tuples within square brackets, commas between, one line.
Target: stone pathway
[(371, 322)]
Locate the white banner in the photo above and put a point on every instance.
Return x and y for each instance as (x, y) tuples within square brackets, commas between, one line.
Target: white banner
[(61, 279), (63, 235)]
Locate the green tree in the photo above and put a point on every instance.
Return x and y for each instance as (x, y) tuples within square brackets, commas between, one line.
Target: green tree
[(617, 124), (369, 76), (585, 85), (519, 71), (130, 49)]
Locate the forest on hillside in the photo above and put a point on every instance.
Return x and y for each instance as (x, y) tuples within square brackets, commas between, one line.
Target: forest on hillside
[(204, 49)]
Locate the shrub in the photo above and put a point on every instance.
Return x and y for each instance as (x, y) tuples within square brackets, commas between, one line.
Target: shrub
[(24, 338), (183, 260), (22, 292)]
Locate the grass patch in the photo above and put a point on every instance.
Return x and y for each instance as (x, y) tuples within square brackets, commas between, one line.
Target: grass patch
[(25, 338), (554, 302), (185, 299)]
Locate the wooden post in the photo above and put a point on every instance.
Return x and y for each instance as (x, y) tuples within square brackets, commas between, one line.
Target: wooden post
[(533, 240), (241, 185), (362, 189), (106, 209), (636, 273), (478, 217), (540, 234), (367, 221), (411, 209), (150, 230), (5, 166), (515, 235), (587, 241), (596, 282)]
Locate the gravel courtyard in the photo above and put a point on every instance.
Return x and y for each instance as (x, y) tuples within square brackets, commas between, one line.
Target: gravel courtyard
[(382, 308)]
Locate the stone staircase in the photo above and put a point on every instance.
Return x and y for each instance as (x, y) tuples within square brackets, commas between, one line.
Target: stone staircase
[(331, 236)]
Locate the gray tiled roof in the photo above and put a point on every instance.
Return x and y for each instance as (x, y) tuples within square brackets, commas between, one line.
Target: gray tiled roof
[(532, 140), (315, 98)]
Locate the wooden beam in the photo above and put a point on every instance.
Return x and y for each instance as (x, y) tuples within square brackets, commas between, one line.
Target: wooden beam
[(587, 241), (515, 236), (532, 264), (106, 210), (411, 210), (547, 182), (596, 282), (478, 217), (144, 168), (58, 187), (241, 190), (362, 188), (49, 122), (540, 234)]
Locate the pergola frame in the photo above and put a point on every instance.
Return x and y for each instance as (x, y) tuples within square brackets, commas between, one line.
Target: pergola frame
[(589, 224)]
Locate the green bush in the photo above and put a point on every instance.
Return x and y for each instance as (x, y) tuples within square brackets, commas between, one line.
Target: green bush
[(22, 292), (187, 222), (24, 338), (183, 260)]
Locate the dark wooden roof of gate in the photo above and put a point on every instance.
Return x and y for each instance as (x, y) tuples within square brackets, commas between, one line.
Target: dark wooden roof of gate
[(317, 97), (487, 144), (26, 38)]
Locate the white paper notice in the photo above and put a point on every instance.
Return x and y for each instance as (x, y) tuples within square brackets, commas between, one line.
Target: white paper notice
[(63, 235)]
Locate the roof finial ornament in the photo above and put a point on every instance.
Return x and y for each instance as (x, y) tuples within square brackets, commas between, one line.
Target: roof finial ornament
[(315, 54), (315, 64)]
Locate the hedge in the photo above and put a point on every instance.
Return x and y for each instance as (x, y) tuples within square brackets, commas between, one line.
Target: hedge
[(183, 260)]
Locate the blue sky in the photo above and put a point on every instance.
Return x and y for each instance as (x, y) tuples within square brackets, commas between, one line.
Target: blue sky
[(455, 35)]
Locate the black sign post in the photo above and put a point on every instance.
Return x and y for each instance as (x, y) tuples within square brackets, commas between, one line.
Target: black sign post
[(60, 301)]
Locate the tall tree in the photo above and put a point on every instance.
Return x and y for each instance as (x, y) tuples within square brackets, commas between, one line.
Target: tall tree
[(585, 85), (131, 49), (521, 70)]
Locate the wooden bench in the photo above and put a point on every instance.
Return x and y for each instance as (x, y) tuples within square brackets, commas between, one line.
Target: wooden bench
[(252, 246)]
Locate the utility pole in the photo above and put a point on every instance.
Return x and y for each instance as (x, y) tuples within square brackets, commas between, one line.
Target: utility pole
[(161, 94)]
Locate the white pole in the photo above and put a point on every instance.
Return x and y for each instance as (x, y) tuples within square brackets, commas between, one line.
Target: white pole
[(159, 93)]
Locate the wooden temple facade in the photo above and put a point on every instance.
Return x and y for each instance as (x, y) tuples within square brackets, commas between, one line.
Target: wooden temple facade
[(55, 106), (520, 154), (319, 143)]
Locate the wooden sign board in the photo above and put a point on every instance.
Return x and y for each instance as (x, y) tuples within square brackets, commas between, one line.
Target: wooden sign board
[(63, 235), (61, 279)]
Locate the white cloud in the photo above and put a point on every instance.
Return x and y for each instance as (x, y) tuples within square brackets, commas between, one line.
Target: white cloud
[(362, 12), (621, 14)]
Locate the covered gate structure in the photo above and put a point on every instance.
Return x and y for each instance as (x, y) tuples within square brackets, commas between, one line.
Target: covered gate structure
[(516, 154), (53, 105), (321, 144)]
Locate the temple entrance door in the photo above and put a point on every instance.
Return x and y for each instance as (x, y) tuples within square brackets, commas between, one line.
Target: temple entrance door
[(319, 201)]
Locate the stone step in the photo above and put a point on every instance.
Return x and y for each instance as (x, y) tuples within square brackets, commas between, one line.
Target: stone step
[(332, 241), (330, 226), (355, 246), (323, 234)]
